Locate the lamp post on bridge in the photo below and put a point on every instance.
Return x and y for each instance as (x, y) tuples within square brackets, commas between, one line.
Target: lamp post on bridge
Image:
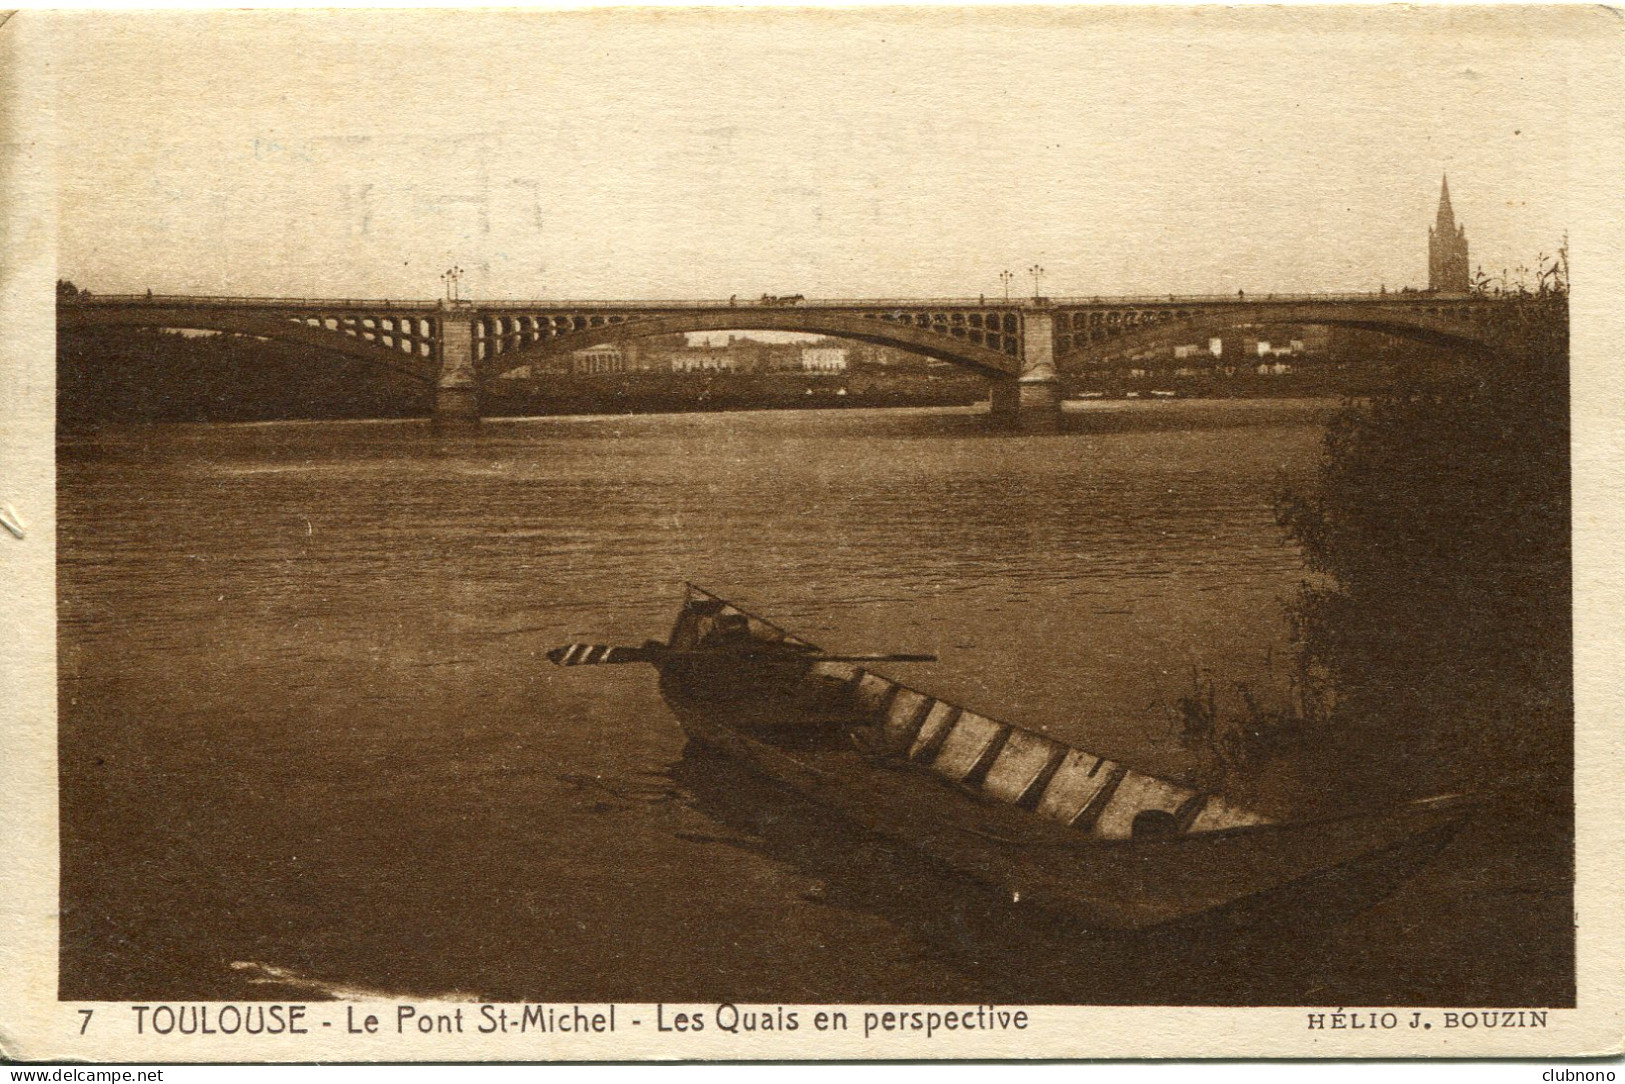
[(1005, 277), (457, 391), (1030, 397), (451, 278)]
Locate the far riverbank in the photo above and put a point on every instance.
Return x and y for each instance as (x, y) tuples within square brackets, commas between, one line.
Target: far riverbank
[(105, 379)]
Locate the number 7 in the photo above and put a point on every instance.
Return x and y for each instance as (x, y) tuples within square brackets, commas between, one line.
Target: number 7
[(86, 1023)]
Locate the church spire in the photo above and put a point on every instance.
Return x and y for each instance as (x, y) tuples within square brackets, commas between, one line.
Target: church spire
[(1447, 217), (1447, 248)]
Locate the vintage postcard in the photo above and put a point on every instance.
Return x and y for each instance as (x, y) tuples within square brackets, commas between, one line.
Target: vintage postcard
[(936, 532)]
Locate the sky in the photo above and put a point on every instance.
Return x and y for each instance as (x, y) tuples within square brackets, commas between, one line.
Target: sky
[(664, 153)]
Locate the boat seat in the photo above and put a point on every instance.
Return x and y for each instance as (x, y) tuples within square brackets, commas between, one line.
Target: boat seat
[(969, 741), (1018, 775), (1137, 793), (1078, 787)]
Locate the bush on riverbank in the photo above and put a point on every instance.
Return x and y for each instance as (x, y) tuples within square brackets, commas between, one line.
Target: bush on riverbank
[(1434, 650)]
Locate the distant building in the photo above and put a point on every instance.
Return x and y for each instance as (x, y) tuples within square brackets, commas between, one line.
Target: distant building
[(823, 359), (1316, 338), (779, 357), (887, 357), (1239, 345), (756, 356), (704, 361), (1447, 250), (598, 359), (1198, 350)]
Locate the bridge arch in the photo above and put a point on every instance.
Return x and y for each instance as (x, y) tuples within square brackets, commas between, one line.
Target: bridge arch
[(291, 328), (928, 341), (1471, 338)]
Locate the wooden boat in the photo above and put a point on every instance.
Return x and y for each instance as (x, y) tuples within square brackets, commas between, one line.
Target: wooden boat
[(1048, 824)]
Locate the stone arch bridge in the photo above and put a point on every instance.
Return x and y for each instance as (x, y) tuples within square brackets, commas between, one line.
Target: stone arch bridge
[(1021, 346)]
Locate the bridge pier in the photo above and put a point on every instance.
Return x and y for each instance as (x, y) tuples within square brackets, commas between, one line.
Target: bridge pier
[(1004, 398), (457, 391), (1031, 402)]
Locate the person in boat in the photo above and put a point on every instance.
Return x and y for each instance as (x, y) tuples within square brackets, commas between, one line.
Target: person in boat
[(728, 631)]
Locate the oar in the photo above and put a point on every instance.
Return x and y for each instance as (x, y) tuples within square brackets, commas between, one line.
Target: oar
[(605, 655)]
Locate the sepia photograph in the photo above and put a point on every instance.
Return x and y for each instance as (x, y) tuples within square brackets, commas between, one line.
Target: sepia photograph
[(743, 525)]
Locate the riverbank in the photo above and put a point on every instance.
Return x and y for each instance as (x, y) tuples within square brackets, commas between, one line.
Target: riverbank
[(108, 379), (684, 393)]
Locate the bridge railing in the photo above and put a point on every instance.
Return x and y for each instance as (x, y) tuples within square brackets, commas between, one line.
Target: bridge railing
[(209, 301), (212, 301), (1390, 296), (178, 300)]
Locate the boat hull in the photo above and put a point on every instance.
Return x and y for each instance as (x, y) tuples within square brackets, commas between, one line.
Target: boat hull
[(1047, 826), (1244, 874)]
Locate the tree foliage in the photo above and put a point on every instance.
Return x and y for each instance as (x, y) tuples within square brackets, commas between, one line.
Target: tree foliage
[(1439, 631), (1432, 649)]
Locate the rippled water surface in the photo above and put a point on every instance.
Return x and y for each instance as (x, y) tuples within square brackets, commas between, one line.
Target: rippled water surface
[(310, 740)]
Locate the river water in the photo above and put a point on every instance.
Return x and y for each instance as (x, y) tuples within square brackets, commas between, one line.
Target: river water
[(310, 742)]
